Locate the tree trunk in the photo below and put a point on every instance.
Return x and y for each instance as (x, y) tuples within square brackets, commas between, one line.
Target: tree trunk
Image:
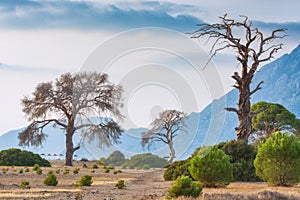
[(69, 145), (172, 152), (245, 120)]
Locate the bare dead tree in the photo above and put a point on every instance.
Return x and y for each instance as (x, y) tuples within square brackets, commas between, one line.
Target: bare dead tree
[(165, 128), (252, 48), (67, 103)]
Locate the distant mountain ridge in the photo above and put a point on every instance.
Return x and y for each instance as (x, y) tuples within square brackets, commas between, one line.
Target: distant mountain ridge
[(281, 85)]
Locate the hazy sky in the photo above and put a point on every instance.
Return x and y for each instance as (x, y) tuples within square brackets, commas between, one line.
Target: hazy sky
[(40, 39)]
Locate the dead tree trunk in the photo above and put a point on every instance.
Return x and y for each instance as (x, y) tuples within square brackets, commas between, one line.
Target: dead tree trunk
[(172, 152), (252, 49)]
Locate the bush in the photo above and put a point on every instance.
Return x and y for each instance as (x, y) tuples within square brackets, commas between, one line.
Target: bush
[(138, 161), (50, 180), (21, 171), (66, 171), (278, 160), (86, 180), (184, 186), (242, 156), (146, 167), (107, 170), (25, 185), (16, 157), (39, 171), (211, 167), (177, 169), (116, 158), (120, 184), (76, 171), (95, 166), (35, 167), (26, 170)]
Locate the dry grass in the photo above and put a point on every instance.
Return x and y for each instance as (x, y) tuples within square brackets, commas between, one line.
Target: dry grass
[(140, 184)]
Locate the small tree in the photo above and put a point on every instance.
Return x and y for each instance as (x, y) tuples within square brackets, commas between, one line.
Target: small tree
[(165, 128), (50, 180), (66, 103), (211, 167), (116, 158), (278, 160), (273, 118), (252, 48)]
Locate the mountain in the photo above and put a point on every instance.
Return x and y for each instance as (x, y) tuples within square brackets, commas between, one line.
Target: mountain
[(212, 125)]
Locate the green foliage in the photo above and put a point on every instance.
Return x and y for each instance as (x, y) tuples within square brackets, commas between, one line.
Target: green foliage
[(58, 171), (107, 170), (76, 171), (146, 167), (21, 171), (78, 196), (35, 167), (177, 169), (120, 184), (25, 185), (16, 157), (138, 161), (242, 156), (184, 186), (111, 166), (26, 170), (274, 118), (50, 180), (86, 180), (278, 160), (211, 167), (116, 158), (39, 171), (95, 166), (66, 171)]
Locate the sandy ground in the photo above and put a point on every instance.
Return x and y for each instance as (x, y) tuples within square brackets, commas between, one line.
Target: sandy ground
[(140, 184)]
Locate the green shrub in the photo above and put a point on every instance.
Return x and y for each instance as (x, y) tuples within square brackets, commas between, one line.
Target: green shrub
[(26, 170), (58, 171), (242, 156), (184, 186), (25, 185), (107, 170), (36, 167), (95, 166), (120, 184), (16, 157), (39, 171), (177, 169), (21, 171), (76, 171), (111, 166), (50, 180), (86, 180), (138, 161), (278, 160), (116, 158), (66, 171), (93, 171), (146, 167), (211, 167)]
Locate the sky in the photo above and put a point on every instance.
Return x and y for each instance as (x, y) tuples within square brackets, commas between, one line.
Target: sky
[(143, 45)]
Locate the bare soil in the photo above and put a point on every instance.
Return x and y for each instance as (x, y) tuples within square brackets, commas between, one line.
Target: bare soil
[(140, 184)]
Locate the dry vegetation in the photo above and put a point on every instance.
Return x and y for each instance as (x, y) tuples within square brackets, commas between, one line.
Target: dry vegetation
[(140, 184)]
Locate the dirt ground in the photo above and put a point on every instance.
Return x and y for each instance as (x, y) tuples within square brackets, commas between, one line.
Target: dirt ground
[(140, 184)]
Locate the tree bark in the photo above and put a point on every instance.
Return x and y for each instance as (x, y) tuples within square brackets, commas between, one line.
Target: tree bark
[(69, 145), (172, 152)]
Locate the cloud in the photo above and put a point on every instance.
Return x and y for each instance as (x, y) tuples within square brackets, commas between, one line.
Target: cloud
[(26, 14)]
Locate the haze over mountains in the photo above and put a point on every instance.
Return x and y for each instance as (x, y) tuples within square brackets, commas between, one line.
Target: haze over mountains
[(281, 85)]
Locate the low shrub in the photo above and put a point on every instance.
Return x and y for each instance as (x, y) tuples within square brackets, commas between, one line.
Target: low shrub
[(85, 180), (17, 157), (50, 180), (177, 169), (146, 167), (138, 161), (184, 186), (95, 166), (39, 171), (120, 184), (76, 171), (35, 167), (25, 185)]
